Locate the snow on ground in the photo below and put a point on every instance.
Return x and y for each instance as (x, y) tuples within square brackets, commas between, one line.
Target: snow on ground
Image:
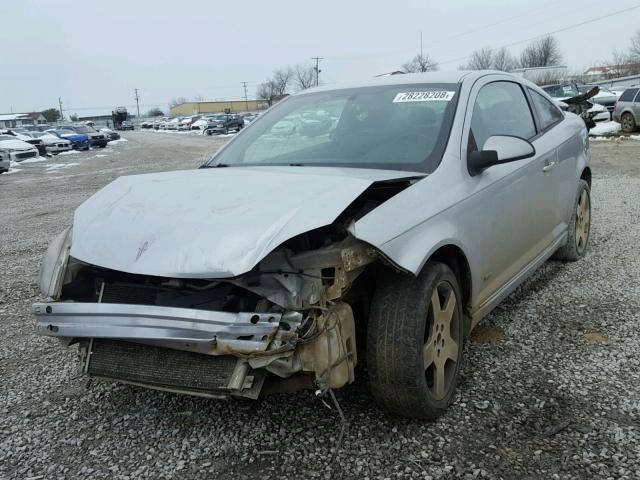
[(69, 152), (605, 128), (11, 170), (120, 140), (35, 160), (55, 167)]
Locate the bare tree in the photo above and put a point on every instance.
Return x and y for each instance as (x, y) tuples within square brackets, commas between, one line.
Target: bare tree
[(282, 78), (304, 76), (266, 90), (420, 63), (480, 60), (503, 61), (275, 86), (544, 52), (177, 101)]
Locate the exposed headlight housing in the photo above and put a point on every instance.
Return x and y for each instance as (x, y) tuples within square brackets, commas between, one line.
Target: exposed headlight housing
[(54, 264)]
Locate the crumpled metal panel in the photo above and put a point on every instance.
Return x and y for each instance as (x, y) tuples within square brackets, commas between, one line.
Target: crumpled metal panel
[(211, 223)]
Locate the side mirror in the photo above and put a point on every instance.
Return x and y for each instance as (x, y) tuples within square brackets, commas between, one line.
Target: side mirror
[(499, 149)]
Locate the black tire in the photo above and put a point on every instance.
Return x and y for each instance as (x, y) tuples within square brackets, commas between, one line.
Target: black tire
[(579, 227), (402, 327), (628, 123), (209, 132)]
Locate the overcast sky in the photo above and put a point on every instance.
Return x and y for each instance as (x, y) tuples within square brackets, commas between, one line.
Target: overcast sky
[(93, 54)]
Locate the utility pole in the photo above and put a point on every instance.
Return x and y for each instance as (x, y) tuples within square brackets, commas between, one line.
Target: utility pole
[(60, 103), (137, 104), (317, 69), (246, 102)]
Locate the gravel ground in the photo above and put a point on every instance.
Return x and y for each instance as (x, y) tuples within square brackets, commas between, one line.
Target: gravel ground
[(550, 387)]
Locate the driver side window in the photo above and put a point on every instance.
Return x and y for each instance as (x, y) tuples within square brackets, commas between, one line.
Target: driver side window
[(500, 109)]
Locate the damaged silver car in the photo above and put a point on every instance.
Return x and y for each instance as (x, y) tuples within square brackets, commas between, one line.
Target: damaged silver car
[(381, 236)]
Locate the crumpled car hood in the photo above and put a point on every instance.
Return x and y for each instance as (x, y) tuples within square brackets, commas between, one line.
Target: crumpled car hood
[(211, 223)]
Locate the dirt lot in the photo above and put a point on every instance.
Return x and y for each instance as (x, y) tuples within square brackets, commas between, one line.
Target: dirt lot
[(550, 387)]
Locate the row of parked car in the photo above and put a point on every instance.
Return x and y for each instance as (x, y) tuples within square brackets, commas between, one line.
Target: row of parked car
[(22, 143), (209, 124), (621, 104)]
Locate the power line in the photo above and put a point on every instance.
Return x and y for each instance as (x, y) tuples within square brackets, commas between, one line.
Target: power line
[(563, 29), (499, 22)]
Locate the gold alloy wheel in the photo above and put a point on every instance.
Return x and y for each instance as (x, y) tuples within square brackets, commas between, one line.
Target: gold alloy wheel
[(583, 221), (440, 351)]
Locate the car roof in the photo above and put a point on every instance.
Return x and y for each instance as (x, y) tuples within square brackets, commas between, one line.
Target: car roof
[(456, 76)]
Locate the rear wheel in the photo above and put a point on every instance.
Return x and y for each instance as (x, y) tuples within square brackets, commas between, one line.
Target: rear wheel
[(628, 123), (414, 342), (579, 226)]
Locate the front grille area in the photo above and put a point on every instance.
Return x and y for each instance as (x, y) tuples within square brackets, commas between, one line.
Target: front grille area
[(160, 367), (24, 155), (129, 294)]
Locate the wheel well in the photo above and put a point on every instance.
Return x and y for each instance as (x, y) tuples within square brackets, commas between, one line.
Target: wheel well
[(586, 176), (455, 259)]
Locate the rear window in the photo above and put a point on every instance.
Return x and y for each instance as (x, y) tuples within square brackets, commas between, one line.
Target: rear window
[(628, 95)]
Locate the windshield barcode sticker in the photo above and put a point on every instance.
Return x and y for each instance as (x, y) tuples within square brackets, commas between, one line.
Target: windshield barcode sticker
[(429, 96)]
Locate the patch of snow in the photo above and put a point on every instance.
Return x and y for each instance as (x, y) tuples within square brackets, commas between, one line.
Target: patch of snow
[(605, 128), (54, 167), (11, 170), (69, 152), (120, 140), (634, 137), (100, 156), (35, 160)]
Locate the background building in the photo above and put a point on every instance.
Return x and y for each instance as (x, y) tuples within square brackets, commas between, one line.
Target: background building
[(194, 108), (13, 120)]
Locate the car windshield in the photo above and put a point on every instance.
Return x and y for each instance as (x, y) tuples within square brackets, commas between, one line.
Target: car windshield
[(562, 91), (397, 127), (7, 137), (65, 132)]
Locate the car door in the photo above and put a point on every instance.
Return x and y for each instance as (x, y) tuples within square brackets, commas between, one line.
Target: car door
[(511, 223), (559, 182), (635, 108)]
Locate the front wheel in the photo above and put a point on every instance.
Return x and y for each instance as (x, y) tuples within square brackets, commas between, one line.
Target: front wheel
[(628, 123), (414, 342), (579, 226)]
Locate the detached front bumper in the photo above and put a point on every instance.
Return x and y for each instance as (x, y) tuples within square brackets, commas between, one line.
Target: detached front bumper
[(200, 331)]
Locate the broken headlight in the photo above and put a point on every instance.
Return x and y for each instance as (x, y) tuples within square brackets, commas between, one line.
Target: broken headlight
[(54, 264)]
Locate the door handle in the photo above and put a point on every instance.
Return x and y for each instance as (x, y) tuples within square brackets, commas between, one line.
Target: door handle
[(548, 166)]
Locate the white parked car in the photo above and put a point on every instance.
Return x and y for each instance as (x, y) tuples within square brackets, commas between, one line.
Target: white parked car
[(562, 92), (53, 144), (18, 150), (172, 124)]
